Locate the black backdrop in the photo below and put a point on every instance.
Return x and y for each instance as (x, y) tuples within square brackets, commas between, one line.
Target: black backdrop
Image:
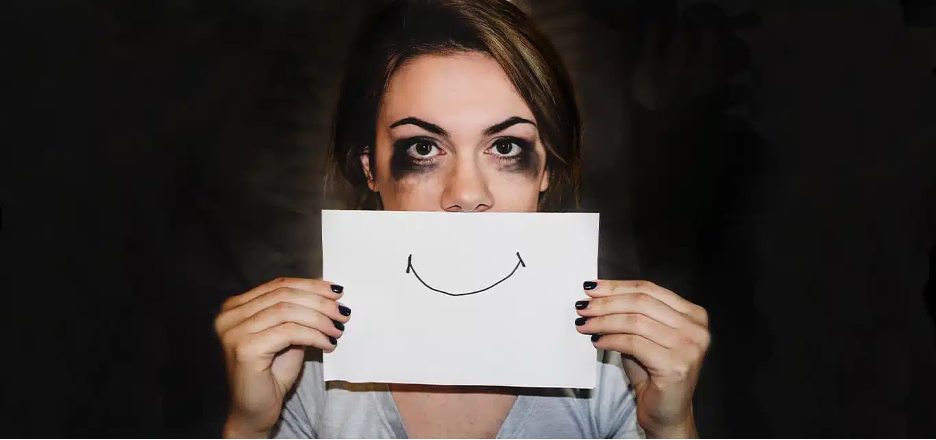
[(772, 161)]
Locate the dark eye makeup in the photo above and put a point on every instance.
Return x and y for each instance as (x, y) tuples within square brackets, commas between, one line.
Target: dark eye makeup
[(419, 154), (413, 155), (515, 153)]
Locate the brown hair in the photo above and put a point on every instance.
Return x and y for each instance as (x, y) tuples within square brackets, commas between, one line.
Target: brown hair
[(400, 30)]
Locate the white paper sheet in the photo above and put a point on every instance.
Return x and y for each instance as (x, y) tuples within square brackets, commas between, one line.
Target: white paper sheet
[(409, 329)]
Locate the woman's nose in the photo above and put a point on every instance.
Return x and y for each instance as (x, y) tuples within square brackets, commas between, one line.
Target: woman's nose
[(466, 190)]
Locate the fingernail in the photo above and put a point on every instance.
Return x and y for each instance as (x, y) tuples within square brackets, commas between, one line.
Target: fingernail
[(332, 340), (581, 305), (595, 338), (339, 325), (589, 285), (336, 288), (344, 310), (580, 321)]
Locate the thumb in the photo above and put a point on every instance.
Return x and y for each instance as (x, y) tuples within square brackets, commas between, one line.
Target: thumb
[(286, 367)]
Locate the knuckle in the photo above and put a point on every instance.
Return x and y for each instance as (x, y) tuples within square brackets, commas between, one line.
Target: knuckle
[(291, 328), (594, 302), (242, 353), (228, 341), (597, 304), (705, 338), (632, 321), (325, 303), (682, 369), (278, 281), (322, 305), (594, 323), (702, 315), (283, 308), (639, 299), (227, 303), (280, 294), (219, 324), (224, 339)]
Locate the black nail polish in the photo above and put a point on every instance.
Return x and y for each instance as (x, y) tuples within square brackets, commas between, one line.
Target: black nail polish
[(595, 338), (589, 285), (581, 304), (344, 310), (336, 288), (332, 340), (580, 320), (338, 325)]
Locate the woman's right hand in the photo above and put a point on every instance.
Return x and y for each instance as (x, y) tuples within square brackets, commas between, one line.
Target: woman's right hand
[(264, 333)]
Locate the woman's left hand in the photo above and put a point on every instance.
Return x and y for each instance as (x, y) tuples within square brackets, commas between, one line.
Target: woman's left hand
[(666, 335)]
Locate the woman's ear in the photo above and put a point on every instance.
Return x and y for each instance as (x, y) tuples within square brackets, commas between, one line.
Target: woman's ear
[(544, 184), (365, 165)]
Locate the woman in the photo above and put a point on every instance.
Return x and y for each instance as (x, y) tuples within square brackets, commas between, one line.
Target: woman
[(463, 106)]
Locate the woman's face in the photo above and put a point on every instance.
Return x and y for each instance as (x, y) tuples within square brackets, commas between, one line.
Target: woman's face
[(454, 134)]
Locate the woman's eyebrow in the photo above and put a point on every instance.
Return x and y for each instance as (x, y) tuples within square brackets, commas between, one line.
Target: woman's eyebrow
[(501, 126), (435, 129), (428, 126)]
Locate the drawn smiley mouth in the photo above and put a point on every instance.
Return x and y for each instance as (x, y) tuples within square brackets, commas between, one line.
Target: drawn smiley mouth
[(409, 267)]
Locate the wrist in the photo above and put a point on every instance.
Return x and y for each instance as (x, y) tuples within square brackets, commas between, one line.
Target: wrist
[(684, 429), (234, 428)]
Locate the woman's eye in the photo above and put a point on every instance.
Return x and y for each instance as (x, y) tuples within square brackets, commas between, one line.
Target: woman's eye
[(506, 148), (423, 150)]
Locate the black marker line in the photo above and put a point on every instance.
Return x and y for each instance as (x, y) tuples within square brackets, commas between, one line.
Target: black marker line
[(409, 266)]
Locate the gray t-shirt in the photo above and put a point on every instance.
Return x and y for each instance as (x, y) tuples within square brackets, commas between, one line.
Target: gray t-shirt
[(345, 410)]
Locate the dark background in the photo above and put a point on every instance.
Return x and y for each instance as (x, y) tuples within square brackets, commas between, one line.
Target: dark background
[(773, 161)]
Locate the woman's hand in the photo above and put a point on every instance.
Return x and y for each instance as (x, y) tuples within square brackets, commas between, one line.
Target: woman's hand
[(264, 333), (666, 335)]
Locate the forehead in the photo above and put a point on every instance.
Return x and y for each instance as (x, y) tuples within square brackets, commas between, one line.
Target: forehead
[(452, 90)]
